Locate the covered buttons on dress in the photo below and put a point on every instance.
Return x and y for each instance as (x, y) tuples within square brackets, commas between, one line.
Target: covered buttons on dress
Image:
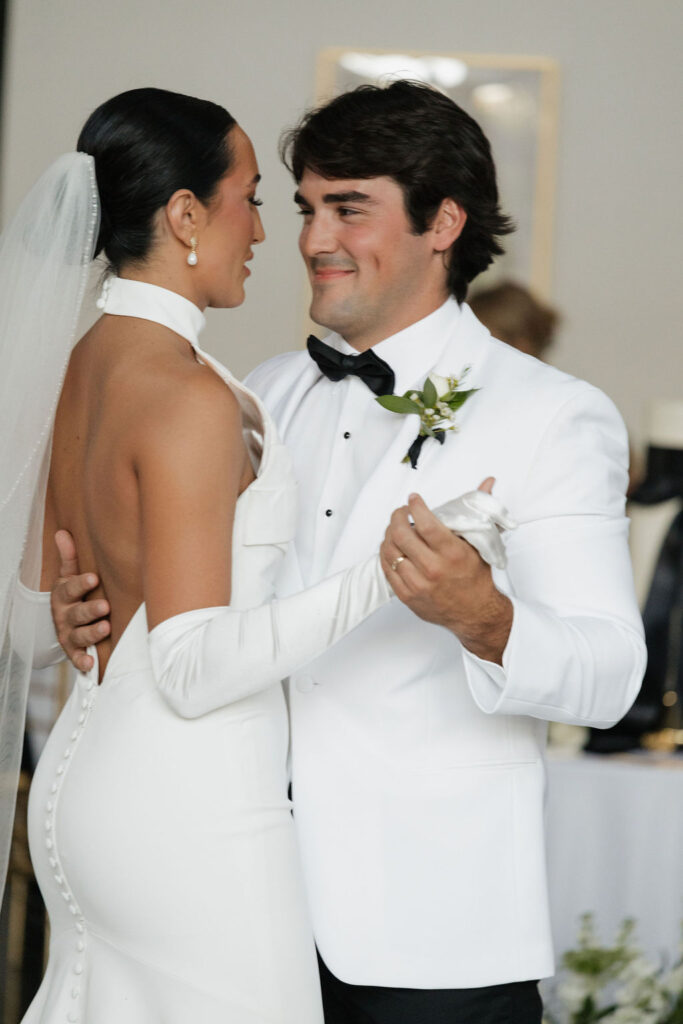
[(51, 842)]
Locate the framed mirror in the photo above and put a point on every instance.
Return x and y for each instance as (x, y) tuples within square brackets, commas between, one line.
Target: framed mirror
[(515, 100)]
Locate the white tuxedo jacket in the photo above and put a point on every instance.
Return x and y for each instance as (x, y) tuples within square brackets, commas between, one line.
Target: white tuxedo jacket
[(418, 770)]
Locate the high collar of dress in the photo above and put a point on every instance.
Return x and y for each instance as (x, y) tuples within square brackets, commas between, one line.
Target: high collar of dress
[(414, 351), (123, 297)]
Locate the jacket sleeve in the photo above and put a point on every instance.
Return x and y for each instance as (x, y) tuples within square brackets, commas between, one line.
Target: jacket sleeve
[(211, 657), (576, 652)]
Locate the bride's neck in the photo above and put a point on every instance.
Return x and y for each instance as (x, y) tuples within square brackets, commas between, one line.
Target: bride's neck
[(174, 279)]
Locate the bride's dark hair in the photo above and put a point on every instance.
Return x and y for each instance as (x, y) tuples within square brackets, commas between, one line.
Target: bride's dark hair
[(148, 143)]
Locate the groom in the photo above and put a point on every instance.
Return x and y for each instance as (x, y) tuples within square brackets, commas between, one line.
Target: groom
[(417, 742)]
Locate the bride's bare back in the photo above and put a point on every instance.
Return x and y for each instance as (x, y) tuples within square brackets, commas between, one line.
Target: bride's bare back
[(148, 460)]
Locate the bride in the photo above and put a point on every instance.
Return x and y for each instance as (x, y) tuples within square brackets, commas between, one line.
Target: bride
[(160, 828)]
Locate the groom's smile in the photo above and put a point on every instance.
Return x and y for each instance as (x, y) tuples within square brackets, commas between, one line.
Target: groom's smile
[(324, 271)]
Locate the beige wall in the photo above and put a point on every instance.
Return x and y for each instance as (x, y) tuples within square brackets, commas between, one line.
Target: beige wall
[(619, 204)]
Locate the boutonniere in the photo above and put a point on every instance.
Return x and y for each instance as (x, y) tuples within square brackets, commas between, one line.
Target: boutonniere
[(436, 405)]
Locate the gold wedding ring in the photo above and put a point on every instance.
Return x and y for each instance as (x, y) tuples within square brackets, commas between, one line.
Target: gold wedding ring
[(397, 561)]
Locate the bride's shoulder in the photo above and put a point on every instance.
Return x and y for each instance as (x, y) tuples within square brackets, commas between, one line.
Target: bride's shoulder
[(180, 401)]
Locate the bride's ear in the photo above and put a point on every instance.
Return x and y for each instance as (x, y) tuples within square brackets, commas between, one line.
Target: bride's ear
[(184, 213)]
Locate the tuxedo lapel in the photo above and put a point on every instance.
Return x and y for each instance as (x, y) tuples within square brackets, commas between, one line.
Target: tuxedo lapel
[(388, 486), (443, 471)]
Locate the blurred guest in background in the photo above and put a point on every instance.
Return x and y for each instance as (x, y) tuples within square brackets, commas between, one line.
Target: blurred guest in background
[(656, 511), (513, 315)]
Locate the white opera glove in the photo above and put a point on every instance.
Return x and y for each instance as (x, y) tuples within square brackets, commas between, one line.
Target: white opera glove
[(479, 518), (211, 657), (32, 630)]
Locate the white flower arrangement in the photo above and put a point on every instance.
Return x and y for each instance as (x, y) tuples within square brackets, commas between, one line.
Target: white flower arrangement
[(615, 984)]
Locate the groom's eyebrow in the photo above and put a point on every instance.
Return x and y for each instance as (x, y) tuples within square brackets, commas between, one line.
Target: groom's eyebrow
[(353, 196)]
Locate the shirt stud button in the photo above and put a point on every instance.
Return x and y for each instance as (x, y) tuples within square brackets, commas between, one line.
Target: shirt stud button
[(78, 968), (328, 512), (48, 843), (80, 945), (79, 927), (75, 993)]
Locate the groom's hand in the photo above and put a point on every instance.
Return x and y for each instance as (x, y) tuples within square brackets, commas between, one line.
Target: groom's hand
[(443, 579), (76, 620)]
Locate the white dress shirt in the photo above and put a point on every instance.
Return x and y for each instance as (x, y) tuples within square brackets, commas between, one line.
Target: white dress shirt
[(339, 433)]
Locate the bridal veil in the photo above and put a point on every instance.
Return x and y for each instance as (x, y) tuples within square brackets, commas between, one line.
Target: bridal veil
[(45, 257)]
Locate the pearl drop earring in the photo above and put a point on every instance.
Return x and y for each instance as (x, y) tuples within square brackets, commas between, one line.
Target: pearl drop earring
[(192, 254)]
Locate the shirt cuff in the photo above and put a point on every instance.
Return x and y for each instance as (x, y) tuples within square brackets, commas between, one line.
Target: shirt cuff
[(486, 679)]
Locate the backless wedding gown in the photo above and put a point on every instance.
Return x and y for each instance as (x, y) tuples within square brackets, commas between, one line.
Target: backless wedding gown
[(164, 845)]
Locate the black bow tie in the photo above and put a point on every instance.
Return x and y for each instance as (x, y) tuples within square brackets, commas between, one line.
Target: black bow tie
[(372, 370)]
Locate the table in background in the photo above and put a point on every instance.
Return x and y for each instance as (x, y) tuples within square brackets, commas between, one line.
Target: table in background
[(615, 847)]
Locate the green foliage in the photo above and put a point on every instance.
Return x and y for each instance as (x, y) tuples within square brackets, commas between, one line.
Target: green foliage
[(615, 984), (394, 403), (436, 412), (455, 399), (600, 961), (429, 395)]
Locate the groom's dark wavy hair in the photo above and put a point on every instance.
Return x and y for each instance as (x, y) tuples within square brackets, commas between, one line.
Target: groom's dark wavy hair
[(147, 144), (427, 144)]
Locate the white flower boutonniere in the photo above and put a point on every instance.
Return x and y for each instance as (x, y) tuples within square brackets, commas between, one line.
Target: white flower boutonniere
[(436, 405)]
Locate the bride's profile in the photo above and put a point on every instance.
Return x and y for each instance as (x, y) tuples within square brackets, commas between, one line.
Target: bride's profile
[(160, 828)]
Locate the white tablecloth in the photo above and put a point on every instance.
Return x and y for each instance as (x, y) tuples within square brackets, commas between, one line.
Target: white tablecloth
[(615, 847)]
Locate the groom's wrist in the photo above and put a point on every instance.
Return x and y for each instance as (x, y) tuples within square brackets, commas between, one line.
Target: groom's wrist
[(488, 633)]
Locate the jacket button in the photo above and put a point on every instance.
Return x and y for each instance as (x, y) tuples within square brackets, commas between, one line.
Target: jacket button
[(328, 512)]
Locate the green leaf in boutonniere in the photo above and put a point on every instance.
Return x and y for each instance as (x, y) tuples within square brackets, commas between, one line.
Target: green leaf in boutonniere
[(457, 398), (395, 403), (436, 411), (429, 395)]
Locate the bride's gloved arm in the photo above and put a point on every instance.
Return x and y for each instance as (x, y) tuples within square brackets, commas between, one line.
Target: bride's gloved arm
[(191, 466), (210, 657), (32, 628)]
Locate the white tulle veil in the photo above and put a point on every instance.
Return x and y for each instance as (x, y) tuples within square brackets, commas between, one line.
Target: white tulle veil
[(45, 257)]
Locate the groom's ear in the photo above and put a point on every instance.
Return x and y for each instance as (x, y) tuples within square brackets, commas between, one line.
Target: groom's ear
[(184, 214), (448, 224)]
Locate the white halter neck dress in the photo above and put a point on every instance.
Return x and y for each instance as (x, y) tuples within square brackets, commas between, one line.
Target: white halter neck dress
[(164, 845)]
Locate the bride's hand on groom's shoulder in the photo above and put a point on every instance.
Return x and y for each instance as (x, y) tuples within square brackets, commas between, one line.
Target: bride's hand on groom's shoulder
[(78, 622)]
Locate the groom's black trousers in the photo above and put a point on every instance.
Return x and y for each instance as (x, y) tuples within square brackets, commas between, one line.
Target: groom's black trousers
[(516, 1003)]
